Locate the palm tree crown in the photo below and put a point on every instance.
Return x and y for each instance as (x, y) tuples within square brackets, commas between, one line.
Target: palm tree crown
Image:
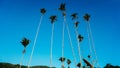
[(43, 10), (87, 17), (53, 18), (79, 65), (62, 7), (25, 42), (74, 16), (80, 38), (76, 24), (62, 59), (68, 61)]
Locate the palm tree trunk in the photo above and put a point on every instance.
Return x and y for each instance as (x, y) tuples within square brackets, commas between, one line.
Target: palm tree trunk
[(71, 45), (51, 45), (63, 40), (89, 40), (93, 46), (79, 51), (22, 58), (37, 32)]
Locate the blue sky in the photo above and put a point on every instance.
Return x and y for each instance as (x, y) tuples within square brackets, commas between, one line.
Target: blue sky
[(20, 18)]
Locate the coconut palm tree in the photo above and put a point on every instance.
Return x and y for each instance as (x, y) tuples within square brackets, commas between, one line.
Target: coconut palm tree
[(24, 42), (62, 8), (80, 38), (42, 11), (79, 65), (86, 17), (53, 19), (76, 24), (62, 59), (68, 62), (74, 16)]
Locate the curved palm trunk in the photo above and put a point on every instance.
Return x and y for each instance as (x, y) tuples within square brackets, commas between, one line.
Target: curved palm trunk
[(71, 45), (37, 32), (51, 45), (79, 52), (93, 46)]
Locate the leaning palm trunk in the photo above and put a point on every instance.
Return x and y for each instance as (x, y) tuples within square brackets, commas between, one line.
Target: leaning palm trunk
[(51, 45), (93, 46), (37, 32), (71, 45), (79, 52)]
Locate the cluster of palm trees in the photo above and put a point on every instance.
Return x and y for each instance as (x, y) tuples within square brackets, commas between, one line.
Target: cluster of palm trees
[(79, 37)]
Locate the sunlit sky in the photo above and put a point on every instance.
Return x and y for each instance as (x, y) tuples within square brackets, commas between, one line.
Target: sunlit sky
[(20, 18)]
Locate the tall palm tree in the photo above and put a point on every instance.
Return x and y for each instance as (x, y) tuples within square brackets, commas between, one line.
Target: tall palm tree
[(68, 62), (42, 11), (89, 31), (24, 42), (62, 59), (62, 8), (53, 19), (79, 65), (75, 17)]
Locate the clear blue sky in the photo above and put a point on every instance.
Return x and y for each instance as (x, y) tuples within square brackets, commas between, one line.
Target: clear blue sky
[(20, 18)]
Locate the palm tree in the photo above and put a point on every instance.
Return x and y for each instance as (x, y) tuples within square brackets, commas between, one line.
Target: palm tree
[(24, 42), (42, 11), (62, 8), (87, 17), (79, 65), (74, 16), (53, 19), (89, 31), (68, 62), (80, 38), (62, 59), (76, 24)]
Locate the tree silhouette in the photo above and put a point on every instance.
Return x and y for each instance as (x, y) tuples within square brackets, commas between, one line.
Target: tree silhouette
[(79, 65), (68, 62), (53, 19), (42, 11), (24, 42), (62, 8), (74, 16), (80, 38), (87, 17), (62, 59)]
